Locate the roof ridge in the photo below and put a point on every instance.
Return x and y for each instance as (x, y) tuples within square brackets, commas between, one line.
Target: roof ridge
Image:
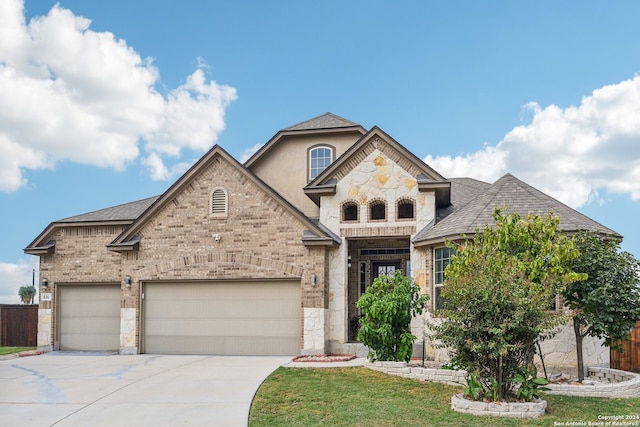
[(493, 188), (327, 120)]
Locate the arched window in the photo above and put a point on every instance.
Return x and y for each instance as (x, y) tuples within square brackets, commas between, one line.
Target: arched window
[(218, 205), (405, 209), (377, 210), (350, 211), (319, 159)]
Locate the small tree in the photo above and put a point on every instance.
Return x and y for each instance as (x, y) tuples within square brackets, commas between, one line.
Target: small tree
[(27, 293), (387, 308), (606, 304), (497, 293)]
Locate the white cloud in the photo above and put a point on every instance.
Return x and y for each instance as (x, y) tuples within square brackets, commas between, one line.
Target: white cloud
[(246, 154), (68, 92), (159, 172), (14, 275), (571, 153), (485, 165)]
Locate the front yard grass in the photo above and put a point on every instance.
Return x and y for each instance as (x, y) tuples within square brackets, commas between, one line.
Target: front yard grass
[(11, 350), (360, 396)]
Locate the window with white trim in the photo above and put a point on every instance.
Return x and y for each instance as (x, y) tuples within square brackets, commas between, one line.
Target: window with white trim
[(441, 258), (218, 203), (319, 159)]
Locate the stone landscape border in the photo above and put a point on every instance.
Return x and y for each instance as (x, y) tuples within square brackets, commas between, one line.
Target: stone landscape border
[(533, 409), (618, 384), (402, 369), (610, 383)]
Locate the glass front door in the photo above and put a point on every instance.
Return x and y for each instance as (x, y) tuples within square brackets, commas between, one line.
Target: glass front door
[(384, 268)]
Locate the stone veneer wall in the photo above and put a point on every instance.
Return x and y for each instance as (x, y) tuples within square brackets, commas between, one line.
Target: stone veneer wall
[(559, 352), (377, 172)]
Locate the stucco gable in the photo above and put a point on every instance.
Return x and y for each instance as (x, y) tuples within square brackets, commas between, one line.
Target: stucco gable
[(191, 181), (327, 123)]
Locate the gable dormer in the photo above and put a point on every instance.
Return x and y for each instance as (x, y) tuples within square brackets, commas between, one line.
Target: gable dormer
[(377, 183), (298, 154)]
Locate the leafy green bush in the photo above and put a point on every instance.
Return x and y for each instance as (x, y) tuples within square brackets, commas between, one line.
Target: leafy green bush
[(474, 389), (497, 291), (530, 385), (606, 304), (387, 308)]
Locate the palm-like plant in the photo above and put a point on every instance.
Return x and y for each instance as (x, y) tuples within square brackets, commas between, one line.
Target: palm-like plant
[(27, 293)]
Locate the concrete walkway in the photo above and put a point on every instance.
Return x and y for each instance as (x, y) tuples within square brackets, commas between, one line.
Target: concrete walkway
[(80, 389)]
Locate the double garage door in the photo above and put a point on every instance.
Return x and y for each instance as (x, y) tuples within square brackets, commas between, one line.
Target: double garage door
[(240, 318), (244, 318)]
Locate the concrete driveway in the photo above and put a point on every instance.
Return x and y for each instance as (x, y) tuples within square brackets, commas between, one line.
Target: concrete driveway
[(84, 389)]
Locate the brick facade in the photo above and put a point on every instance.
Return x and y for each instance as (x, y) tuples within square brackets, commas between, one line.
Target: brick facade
[(260, 239)]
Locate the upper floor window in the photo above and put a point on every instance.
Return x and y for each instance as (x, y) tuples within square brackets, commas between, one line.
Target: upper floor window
[(377, 210), (218, 205), (442, 258), (350, 211), (405, 209), (319, 159)]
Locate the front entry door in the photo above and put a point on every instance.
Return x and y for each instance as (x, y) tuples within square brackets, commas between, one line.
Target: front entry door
[(384, 268)]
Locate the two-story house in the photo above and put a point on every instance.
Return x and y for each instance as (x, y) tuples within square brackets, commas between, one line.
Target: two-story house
[(266, 257)]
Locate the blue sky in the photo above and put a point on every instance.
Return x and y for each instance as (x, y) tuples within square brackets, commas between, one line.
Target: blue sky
[(102, 103)]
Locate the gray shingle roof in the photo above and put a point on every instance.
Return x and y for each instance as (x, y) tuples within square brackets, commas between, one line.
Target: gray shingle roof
[(514, 196), (462, 191), (126, 212), (325, 121)]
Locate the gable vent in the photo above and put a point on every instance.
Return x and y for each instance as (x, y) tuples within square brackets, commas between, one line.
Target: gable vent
[(219, 203)]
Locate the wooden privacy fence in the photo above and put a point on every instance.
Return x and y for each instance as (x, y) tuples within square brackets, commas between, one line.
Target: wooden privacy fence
[(19, 325), (629, 360)]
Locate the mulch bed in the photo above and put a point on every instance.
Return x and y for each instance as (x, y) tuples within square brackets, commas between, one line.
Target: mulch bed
[(325, 358)]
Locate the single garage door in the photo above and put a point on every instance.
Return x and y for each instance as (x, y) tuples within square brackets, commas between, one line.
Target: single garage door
[(89, 317), (240, 318)]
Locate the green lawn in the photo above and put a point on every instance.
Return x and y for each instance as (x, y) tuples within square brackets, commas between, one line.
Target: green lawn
[(360, 396), (10, 350)]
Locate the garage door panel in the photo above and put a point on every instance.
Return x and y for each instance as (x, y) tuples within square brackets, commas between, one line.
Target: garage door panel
[(89, 317), (85, 325), (222, 318), (223, 309), (249, 346), (82, 342), (92, 308), (224, 327)]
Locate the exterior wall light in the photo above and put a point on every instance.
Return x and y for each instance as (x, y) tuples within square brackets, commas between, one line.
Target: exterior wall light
[(313, 280), (45, 283), (127, 281)]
